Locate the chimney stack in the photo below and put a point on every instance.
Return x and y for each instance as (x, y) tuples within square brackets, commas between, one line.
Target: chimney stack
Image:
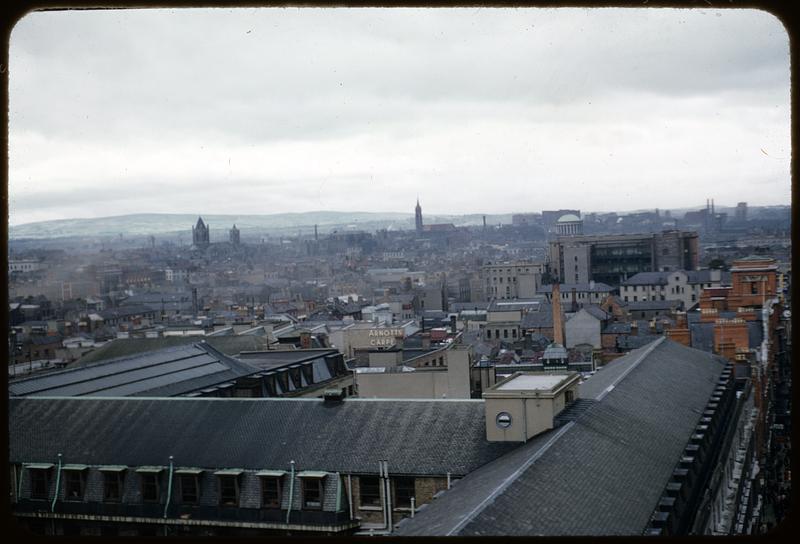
[(558, 325)]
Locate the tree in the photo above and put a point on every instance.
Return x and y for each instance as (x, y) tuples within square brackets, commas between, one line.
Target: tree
[(718, 263)]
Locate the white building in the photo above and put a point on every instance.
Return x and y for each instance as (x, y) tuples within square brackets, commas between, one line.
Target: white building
[(684, 286), (510, 280)]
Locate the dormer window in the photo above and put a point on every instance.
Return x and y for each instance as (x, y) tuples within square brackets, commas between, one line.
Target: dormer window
[(189, 482), (74, 482), (40, 480), (228, 487), (312, 488), (149, 476), (113, 478)]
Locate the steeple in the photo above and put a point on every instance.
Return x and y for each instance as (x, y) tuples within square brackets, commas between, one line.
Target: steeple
[(418, 216), (200, 234)]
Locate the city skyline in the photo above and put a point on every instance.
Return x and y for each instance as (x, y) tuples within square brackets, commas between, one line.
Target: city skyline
[(479, 111)]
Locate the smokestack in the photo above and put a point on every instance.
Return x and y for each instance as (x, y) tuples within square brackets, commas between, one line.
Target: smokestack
[(484, 222), (558, 325)]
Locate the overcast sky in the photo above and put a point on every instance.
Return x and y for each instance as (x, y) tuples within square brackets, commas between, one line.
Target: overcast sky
[(250, 111)]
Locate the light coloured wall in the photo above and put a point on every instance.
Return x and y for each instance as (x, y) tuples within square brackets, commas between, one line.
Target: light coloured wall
[(451, 381), (420, 384), (583, 328)]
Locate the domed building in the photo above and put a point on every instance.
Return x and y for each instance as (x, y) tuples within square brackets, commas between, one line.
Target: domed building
[(569, 225)]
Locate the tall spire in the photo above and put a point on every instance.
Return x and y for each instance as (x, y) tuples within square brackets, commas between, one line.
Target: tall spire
[(418, 216)]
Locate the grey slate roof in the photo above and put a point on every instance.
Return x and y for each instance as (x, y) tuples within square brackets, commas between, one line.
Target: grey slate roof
[(653, 305), (596, 311), (165, 372), (124, 347), (597, 287), (543, 318), (416, 437), (692, 276), (702, 336), (276, 358), (600, 474)]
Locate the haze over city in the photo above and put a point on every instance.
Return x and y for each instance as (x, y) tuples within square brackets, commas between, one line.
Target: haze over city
[(399, 272), (258, 111)]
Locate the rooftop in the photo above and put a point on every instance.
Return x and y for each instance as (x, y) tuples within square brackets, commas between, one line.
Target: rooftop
[(421, 437), (166, 372), (603, 470), (541, 382)]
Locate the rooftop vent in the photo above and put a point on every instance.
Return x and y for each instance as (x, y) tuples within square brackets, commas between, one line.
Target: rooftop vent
[(332, 396)]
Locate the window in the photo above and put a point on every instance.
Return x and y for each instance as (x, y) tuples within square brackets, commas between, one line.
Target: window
[(73, 485), (312, 493), (229, 490), (150, 490), (112, 486), (271, 492), (514, 333), (370, 490), (403, 491), (505, 333), (189, 488), (40, 483)]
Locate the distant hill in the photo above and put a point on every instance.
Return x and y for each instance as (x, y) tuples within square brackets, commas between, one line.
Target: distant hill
[(161, 223), (146, 224)]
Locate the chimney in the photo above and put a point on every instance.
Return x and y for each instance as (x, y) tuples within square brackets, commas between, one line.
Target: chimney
[(574, 300), (305, 340), (558, 325), (634, 328), (426, 340), (453, 323)]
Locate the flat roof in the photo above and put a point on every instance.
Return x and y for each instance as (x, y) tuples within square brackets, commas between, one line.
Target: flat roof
[(527, 381)]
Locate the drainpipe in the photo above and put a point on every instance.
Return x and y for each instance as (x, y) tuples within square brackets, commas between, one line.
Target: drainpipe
[(338, 492), (169, 487), (58, 483), (525, 419), (390, 520), (412, 507), (291, 491), (350, 494), (19, 482), (383, 487)]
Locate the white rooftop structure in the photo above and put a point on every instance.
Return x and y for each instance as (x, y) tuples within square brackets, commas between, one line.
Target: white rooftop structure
[(529, 382)]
